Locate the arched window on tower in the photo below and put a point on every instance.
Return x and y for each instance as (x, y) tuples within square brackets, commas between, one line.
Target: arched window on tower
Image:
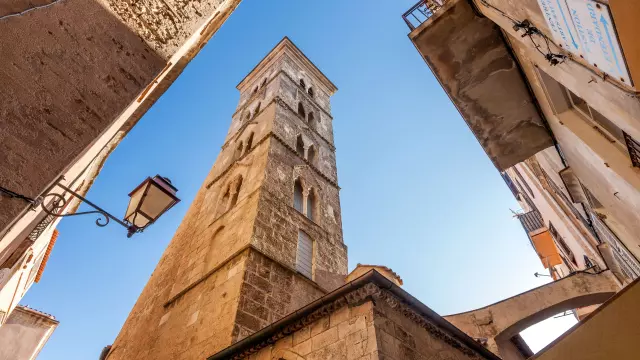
[(249, 143), (311, 203), (300, 146), (257, 110), (304, 86), (238, 152), (248, 116), (236, 191), (255, 90), (301, 111), (297, 195), (311, 154), (311, 118), (264, 82), (310, 91), (222, 204)]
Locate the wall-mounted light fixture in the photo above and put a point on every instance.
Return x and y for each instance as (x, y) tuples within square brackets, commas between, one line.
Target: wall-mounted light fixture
[(537, 274), (149, 200)]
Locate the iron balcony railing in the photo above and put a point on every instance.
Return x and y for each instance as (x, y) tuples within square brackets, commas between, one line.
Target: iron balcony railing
[(531, 221), (421, 12)]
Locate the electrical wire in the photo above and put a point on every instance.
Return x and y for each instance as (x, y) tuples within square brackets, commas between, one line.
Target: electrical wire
[(554, 58)]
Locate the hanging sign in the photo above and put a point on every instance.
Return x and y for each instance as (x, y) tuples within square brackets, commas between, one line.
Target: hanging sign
[(598, 37), (585, 28)]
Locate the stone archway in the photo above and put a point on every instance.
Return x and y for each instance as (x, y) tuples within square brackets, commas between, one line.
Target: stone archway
[(500, 322)]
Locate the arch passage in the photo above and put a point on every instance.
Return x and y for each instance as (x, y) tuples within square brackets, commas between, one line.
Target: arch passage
[(500, 322)]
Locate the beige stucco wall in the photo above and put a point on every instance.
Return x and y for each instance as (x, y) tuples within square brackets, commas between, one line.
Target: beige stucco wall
[(604, 168), (574, 233), (611, 332), (25, 333)]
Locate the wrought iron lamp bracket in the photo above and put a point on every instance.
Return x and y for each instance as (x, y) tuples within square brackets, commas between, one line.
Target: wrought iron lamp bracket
[(59, 202)]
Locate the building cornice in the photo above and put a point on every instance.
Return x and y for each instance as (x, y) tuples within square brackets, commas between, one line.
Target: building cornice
[(371, 286)]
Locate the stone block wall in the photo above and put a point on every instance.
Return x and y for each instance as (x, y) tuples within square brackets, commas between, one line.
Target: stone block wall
[(278, 222), (401, 338), (346, 334), (269, 292)]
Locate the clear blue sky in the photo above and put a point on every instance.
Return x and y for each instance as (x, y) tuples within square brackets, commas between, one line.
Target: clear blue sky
[(418, 193)]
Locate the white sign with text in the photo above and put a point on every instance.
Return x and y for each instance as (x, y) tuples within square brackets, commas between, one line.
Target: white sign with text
[(585, 28)]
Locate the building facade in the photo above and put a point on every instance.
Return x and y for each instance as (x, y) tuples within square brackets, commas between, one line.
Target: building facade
[(263, 236), (548, 88), (25, 333), (71, 90)]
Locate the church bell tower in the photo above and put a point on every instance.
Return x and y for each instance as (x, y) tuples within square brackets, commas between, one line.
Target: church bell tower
[(263, 236)]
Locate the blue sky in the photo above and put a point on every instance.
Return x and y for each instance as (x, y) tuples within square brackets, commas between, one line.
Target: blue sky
[(418, 193)]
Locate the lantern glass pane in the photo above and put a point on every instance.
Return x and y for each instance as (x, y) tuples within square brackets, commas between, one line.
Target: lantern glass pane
[(134, 202), (156, 202)]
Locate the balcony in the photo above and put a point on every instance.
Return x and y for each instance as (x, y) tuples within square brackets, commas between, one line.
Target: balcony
[(531, 222), (472, 61), (421, 12)]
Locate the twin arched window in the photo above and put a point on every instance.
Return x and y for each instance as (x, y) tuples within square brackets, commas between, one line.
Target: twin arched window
[(238, 152), (309, 153), (300, 146), (310, 91), (249, 143), (304, 200), (230, 197), (302, 84)]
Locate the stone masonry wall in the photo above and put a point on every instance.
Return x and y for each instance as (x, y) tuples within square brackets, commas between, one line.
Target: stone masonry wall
[(70, 68), (400, 338), (346, 334), (278, 222), (269, 292)]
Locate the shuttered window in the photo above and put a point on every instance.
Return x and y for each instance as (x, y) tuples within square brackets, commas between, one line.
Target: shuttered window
[(304, 258)]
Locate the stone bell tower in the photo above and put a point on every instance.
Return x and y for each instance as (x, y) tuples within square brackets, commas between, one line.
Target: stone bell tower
[(263, 236)]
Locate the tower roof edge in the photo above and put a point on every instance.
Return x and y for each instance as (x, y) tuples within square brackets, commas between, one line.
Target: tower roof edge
[(287, 44)]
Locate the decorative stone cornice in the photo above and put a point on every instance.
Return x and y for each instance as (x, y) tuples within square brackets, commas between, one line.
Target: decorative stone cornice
[(367, 291)]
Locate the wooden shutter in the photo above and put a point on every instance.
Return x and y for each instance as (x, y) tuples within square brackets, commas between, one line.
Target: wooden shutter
[(304, 258)]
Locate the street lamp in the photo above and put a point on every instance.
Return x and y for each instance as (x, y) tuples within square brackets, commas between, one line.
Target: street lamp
[(537, 274), (149, 200)]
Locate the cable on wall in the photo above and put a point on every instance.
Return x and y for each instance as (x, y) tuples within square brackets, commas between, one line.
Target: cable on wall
[(554, 58)]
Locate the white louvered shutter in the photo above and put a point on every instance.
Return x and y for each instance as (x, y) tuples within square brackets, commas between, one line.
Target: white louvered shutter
[(304, 261)]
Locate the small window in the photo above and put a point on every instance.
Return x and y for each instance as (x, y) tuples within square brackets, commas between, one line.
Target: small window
[(264, 82), (300, 146), (234, 197), (301, 111), (249, 143), (311, 118), (311, 154), (257, 110), (304, 256), (238, 152), (297, 195), (222, 205), (310, 91), (248, 116), (302, 84), (255, 90), (311, 203), (563, 245)]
